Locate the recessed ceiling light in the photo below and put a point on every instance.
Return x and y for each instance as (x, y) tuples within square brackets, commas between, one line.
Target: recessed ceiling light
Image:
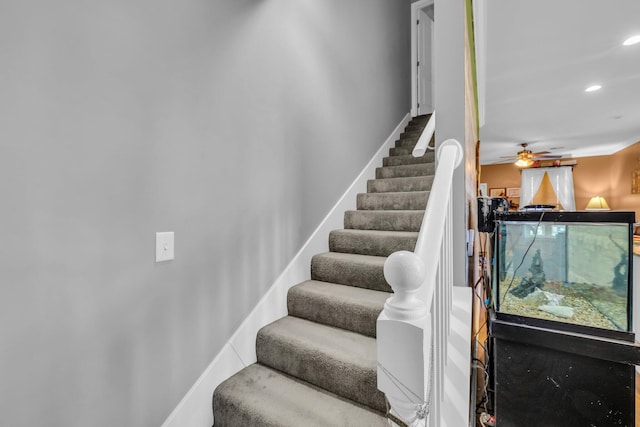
[(632, 40), (593, 88)]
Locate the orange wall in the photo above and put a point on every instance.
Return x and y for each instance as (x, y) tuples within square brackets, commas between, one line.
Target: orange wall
[(606, 176), (622, 165)]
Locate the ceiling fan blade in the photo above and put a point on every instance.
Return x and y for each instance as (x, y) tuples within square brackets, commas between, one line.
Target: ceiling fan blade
[(504, 162), (547, 157), (541, 152)]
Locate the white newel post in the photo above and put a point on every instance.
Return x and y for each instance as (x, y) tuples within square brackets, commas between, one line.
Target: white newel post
[(402, 339)]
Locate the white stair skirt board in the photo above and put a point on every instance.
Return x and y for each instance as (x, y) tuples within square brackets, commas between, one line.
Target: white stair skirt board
[(194, 410)]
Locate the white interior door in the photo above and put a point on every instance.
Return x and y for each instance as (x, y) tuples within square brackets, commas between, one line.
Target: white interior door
[(424, 62)]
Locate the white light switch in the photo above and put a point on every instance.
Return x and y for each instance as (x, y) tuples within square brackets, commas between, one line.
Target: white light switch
[(164, 246)]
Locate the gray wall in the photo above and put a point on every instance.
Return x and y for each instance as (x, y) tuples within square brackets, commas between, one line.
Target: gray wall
[(448, 78), (236, 124)]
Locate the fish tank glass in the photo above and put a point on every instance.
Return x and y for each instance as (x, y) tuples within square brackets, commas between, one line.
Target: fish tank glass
[(570, 267)]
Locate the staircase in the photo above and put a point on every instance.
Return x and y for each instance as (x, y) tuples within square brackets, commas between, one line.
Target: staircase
[(317, 366)]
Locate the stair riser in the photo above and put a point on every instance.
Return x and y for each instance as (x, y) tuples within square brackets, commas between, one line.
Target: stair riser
[(408, 160), (228, 412), (417, 183), (415, 200), (333, 312), (405, 171), (348, 273), (371, 245), (383, 220)]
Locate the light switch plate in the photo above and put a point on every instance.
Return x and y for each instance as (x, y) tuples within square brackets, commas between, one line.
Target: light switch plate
[(164, 246)]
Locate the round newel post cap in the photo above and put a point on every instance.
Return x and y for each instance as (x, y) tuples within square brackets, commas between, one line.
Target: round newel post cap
[(405, 272)]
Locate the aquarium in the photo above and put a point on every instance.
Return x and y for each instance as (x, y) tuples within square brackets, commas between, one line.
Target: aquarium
[(570, 267)]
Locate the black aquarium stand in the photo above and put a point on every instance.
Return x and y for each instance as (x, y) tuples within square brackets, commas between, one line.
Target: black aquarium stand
[(551, 374)]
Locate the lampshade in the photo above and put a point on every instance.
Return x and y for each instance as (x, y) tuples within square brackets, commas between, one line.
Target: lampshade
[(597, 204)]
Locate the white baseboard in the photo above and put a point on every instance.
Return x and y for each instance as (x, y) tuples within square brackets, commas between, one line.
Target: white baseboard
[(194, 410)]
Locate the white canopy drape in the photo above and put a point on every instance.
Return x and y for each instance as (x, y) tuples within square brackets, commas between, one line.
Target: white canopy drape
[(561, 180), (530, 183)]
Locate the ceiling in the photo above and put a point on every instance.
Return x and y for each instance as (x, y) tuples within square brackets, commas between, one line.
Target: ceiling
[(539, 57)]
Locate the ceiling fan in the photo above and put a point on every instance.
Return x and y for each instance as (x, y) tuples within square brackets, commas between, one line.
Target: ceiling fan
[(526, 158)]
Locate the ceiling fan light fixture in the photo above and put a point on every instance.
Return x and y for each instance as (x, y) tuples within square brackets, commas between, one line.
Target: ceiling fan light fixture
[(632, 40), (593, 88), (523, 163)]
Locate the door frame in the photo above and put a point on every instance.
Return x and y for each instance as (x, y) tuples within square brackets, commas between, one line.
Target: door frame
[(420, 4), (480, 40)]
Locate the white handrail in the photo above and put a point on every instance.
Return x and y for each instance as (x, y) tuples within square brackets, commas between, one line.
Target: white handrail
[(413, 328), (432, 230), (425, 137)]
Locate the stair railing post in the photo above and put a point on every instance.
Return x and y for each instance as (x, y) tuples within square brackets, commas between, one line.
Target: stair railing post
[(403, 357)]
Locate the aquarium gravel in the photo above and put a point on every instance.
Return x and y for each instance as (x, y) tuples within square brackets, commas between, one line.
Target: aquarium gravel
[(585, 312)]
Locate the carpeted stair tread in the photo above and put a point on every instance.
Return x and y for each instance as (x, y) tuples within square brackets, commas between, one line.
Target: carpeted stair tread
[(404, 171), (343, 362), (410, 183), (406, 142), (384, 220), (414, 134), (259, 396), (408, 159), (406, 200), (410, 141), (405, 151), (347, 307), (372, 242), (415, 127), (418, 121), (423, 118), (362, 271)]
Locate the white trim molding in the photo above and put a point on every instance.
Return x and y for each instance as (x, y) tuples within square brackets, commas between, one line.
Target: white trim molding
[(195, 409), (480, 38)]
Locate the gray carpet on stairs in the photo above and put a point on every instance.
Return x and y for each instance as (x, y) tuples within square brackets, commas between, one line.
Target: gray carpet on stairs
[(261, 396), (405, 171), (362, 271), (414, 200), (343, 362), (317, 366), (347, 307), (372, 242), (384, 220), (402, 184)]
